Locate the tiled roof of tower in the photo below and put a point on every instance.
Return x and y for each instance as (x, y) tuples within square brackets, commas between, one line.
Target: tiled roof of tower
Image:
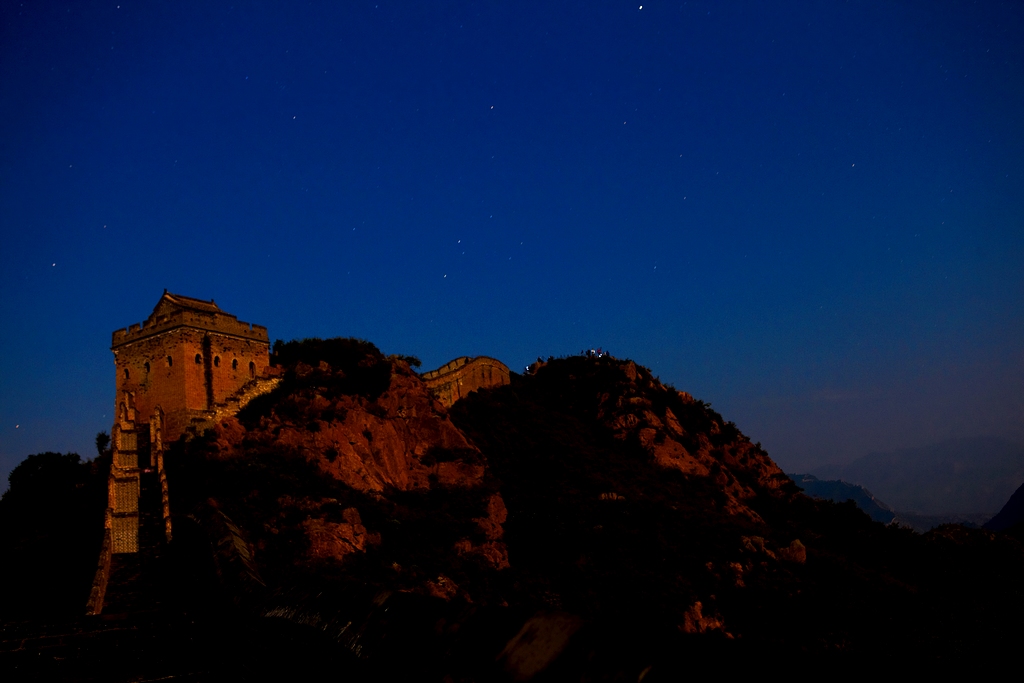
[(189, 302), (175, 311)]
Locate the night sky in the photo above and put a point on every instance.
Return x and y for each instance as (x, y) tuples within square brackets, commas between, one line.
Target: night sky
[(810, 214)]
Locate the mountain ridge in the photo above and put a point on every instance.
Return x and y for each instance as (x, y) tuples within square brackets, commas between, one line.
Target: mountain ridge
[(964, 476), (839, 491)]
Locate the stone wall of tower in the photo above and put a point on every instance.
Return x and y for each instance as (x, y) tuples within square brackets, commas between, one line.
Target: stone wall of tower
[(186, 372), (185, 358), (152, 371)]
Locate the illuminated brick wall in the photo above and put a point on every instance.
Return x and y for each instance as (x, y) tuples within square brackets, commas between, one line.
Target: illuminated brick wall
[(459, 377), (186, 358)]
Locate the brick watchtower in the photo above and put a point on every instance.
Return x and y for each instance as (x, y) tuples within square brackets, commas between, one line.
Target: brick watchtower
[(188, 363), (186, 358)]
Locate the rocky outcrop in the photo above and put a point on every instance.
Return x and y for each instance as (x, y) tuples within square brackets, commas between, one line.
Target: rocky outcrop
[(353, 460), (695, 621), (492, 550), (401, 440), (639, 407), (332, 540)]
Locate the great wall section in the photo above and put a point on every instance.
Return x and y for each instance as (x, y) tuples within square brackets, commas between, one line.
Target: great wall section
[(457, 378), (183, 370)]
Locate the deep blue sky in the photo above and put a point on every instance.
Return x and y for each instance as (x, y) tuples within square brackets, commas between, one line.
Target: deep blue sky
[(810, 214)]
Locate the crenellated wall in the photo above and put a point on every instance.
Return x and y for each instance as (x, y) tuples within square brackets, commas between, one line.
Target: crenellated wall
[(457, 378), (169, 319)]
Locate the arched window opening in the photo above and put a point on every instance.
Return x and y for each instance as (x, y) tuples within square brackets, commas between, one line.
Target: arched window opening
[(216, 361), (146, 366), (252, 370), (234, 364), (126, 373), (199, 359), (170, 361)]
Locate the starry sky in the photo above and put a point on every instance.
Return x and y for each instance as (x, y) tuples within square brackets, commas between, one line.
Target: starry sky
[(810, 214)]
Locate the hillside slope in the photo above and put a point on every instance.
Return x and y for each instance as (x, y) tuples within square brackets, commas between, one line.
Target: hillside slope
[(611, 520)]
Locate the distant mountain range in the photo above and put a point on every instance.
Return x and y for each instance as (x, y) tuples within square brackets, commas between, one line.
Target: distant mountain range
[(961, 478), (841, 491)]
